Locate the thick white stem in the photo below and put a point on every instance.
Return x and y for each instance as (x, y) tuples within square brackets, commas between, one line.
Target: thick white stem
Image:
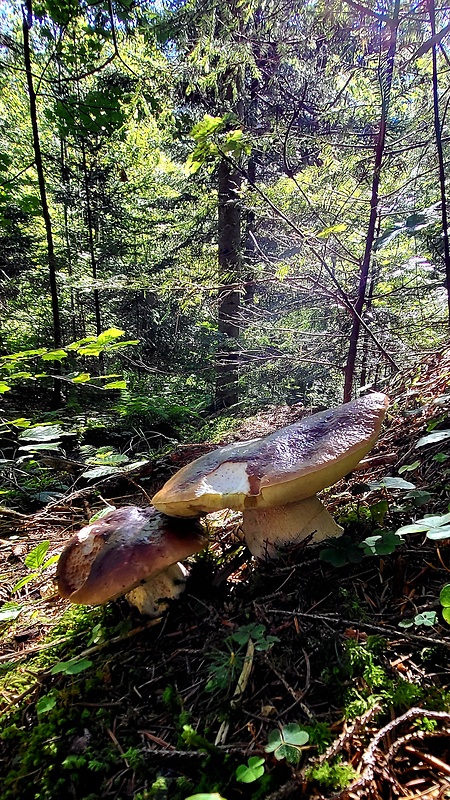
[(268, 530), (152, 597)]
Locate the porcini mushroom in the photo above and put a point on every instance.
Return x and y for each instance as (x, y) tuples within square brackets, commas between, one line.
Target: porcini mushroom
[(130, 551), (274, 480)]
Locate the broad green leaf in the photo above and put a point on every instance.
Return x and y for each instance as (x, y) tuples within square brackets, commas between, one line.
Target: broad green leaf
[(116, 385), (100, 472), (4, 387), (340, 228), (47, 447), (408, 467), (120, 345), (434, 521), (81, 343), (205, 796), (47, 497), (444, 596), (293, 734), (83, 377), (36, 557), (23, 581), (433, 438), (207, 126), (72, 667), (438, 534), (378, 511), (10, 611), (109, 335), (414, 527), (426, 618), (440, 458), (392, 483), (419, 497), (41, 433), (54, 355), (250, 773), (446, 614), (50, 561), (383, 544), (45, 704)]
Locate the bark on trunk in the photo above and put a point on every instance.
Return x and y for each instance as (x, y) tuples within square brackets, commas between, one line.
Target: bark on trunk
[(27, 11), (229, 259), (440, 155), (386, 81)]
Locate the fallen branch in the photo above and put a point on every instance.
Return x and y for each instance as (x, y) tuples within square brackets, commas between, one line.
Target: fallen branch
[(368, 760)]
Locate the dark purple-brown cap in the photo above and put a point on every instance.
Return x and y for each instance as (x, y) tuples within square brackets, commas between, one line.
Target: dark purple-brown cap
[(113, 555)]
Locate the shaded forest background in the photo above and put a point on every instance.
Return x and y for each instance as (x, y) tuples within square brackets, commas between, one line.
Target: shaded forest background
[(254, 191)]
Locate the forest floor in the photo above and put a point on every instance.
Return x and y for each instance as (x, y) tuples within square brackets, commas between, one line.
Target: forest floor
[(329, 671)]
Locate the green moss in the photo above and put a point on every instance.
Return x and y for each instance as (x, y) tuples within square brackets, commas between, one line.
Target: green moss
[(332, 776)]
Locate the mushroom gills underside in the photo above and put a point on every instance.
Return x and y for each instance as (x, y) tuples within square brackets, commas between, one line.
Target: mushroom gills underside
[(268, 530), (152, 596)]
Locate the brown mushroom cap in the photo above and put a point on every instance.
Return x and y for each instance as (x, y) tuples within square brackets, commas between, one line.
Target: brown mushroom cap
[(113, 555), (289, 465)]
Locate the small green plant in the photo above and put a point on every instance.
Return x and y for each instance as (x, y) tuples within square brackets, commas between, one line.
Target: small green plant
[(332, 776), (206, 796), (72, 667), (36, 562), (250, 772), (426, 619), (342, 551), (227, 664), (257, 633), (287, 743), (435, 527), (444, 599)]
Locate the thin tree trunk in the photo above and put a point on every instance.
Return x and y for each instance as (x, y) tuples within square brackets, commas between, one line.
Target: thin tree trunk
[(229, 260), (440, 155), (66, 182), (27, 12), (386, 80), (98, 319)]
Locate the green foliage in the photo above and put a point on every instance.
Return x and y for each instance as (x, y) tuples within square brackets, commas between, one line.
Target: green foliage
[(444, 599), (437, 528), (11, 366), (250, 772), (36, 562), (343, 550), (213, 138), (72, 667), (427, 619), (433, 438), (205, 796), (332, 776), (287, 743), (226, 665)]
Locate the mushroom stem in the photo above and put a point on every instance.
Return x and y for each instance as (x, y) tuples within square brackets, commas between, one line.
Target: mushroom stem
[(152, 596), (267, 530)]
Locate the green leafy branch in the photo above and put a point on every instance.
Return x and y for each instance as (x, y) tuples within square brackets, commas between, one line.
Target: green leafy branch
[(213, 138), (15, 367), (36, 563)]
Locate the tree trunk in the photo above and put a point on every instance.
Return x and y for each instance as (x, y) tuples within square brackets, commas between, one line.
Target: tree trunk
[(386, 83), (440, 155), (229, 260), (98, 319), (27, 11)]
